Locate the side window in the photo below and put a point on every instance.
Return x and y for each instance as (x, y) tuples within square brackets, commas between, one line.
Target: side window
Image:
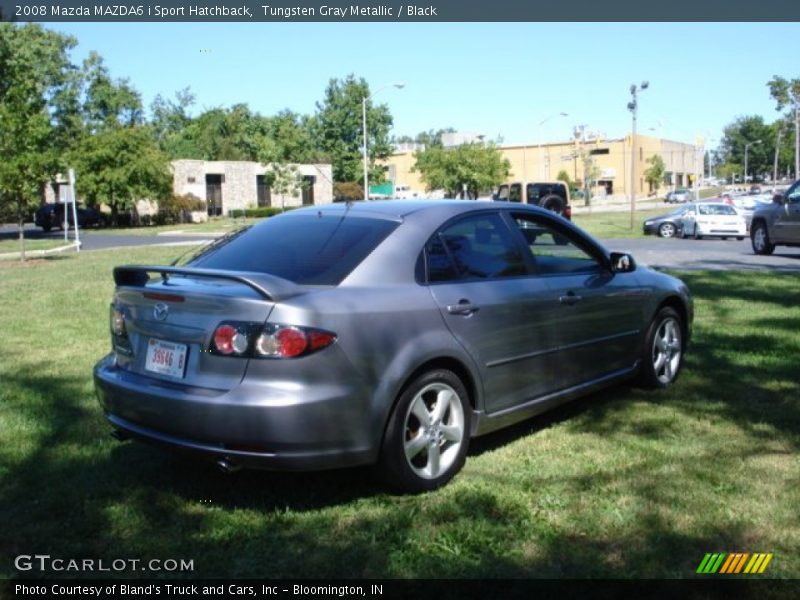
[(502, 192), (703, 209), (475, 247), (535, 193), (515, 193), (793, 196), (554, 252)]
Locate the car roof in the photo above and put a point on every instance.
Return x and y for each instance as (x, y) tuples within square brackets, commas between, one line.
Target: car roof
[(397, 209)]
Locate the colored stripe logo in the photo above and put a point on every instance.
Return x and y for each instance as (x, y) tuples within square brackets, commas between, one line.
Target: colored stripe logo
[(734, 562)]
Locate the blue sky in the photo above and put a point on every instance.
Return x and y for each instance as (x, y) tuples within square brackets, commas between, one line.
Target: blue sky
[(497, 79)]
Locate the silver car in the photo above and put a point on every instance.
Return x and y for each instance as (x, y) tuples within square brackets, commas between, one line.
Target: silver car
[(382, 333)]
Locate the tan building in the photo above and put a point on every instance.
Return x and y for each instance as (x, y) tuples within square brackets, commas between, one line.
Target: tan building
[(226, 185), (610, 159)]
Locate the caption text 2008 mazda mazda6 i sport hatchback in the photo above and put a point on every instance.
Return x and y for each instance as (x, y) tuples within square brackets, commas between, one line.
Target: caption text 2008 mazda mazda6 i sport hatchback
[(385, 333)]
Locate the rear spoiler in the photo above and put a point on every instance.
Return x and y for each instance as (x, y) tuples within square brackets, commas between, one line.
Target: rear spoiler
[(268, 286)]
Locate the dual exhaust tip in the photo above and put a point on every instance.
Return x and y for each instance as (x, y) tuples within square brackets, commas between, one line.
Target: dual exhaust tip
[(223, 464)]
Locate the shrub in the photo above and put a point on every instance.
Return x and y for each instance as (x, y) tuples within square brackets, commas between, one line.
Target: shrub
[(256, 213), (347, 190), (176, 209)]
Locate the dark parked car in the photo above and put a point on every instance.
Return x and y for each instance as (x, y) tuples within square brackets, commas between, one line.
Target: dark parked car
[(386, 333), (669, 225), (50, 215), (777, 224)]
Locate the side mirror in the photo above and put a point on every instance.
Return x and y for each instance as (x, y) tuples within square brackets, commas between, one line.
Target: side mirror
[(622, 263), (778, 198)]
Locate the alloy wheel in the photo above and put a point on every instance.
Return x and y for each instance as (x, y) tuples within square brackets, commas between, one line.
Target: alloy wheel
[(667, 230), (666, 352), (434, 430)]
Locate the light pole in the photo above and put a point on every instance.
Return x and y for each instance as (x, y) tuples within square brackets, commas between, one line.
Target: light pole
[(775, 166), (746, 148), (538, 145), (633, 106), (364, 101)]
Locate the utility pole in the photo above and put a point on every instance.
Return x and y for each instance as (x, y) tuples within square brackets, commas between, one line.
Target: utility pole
[(633, 106), (775, 165)]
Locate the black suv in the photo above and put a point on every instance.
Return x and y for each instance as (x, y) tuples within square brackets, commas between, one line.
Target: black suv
[(52, 215), (552, 195)]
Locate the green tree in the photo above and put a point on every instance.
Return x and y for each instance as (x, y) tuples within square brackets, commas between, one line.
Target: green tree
[(118, 160), (221, 134), (109, 103), (759, 137), (169, 119), (121, 165), (786, 93), (38, 99), (564, 176), (654, 174), (339, 132), (292, 137), (476, 167)]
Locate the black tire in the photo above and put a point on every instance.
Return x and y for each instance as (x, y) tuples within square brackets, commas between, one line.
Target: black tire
[(740, 237), (665, 339), (667, 230), (697, 236), (407, 463), (46, 228), (724, 237), (759, 238), (553, 202)]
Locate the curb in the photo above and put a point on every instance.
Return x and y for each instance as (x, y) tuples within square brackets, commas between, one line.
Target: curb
[(209, 234), (38, 253)]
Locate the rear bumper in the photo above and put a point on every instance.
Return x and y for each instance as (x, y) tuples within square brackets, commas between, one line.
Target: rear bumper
[(269, 425)]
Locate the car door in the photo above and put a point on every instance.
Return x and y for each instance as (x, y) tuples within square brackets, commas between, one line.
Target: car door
[(598, 314), (495, 307), (787, 224)]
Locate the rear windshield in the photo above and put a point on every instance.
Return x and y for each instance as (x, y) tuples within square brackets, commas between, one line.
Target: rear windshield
[(308, 249)]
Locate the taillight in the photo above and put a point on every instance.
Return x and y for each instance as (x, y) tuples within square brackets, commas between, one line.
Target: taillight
[(119, 332), (229, 339), (117, 322), (567, 214), (268, 341)]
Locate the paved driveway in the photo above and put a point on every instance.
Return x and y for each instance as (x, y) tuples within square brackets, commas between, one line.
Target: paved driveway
[(673, 253), (100, 241), (707, 253)]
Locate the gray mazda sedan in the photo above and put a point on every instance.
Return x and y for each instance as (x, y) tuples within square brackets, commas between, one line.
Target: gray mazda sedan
[(386, 333)]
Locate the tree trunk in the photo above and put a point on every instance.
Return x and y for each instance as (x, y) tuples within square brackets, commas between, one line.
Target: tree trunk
[(21, 221)]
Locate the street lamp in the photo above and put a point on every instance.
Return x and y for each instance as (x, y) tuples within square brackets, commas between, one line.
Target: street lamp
[(633, 106), (538, 145), (746, 148), (364, 101)]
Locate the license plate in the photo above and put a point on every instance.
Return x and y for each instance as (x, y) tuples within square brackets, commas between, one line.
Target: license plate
[(165, 358)]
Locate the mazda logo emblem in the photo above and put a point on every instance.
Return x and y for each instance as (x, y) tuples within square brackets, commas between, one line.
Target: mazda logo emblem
[(160, 311)]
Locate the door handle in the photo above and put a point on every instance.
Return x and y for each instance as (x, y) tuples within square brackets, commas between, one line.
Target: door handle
[(570, 298), (464, 307)]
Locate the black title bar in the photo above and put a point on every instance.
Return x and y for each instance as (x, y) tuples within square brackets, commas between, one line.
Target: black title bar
[(335, 11)]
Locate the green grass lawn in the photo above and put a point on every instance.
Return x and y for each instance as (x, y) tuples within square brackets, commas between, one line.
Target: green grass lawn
[(625, 483), (617, 224), (221, 224), (30, 245)]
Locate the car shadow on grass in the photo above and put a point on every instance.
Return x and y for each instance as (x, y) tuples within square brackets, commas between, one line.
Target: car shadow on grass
[(69, 490)]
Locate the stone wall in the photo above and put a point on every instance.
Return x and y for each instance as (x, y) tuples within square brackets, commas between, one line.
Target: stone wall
[(239, 182)]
